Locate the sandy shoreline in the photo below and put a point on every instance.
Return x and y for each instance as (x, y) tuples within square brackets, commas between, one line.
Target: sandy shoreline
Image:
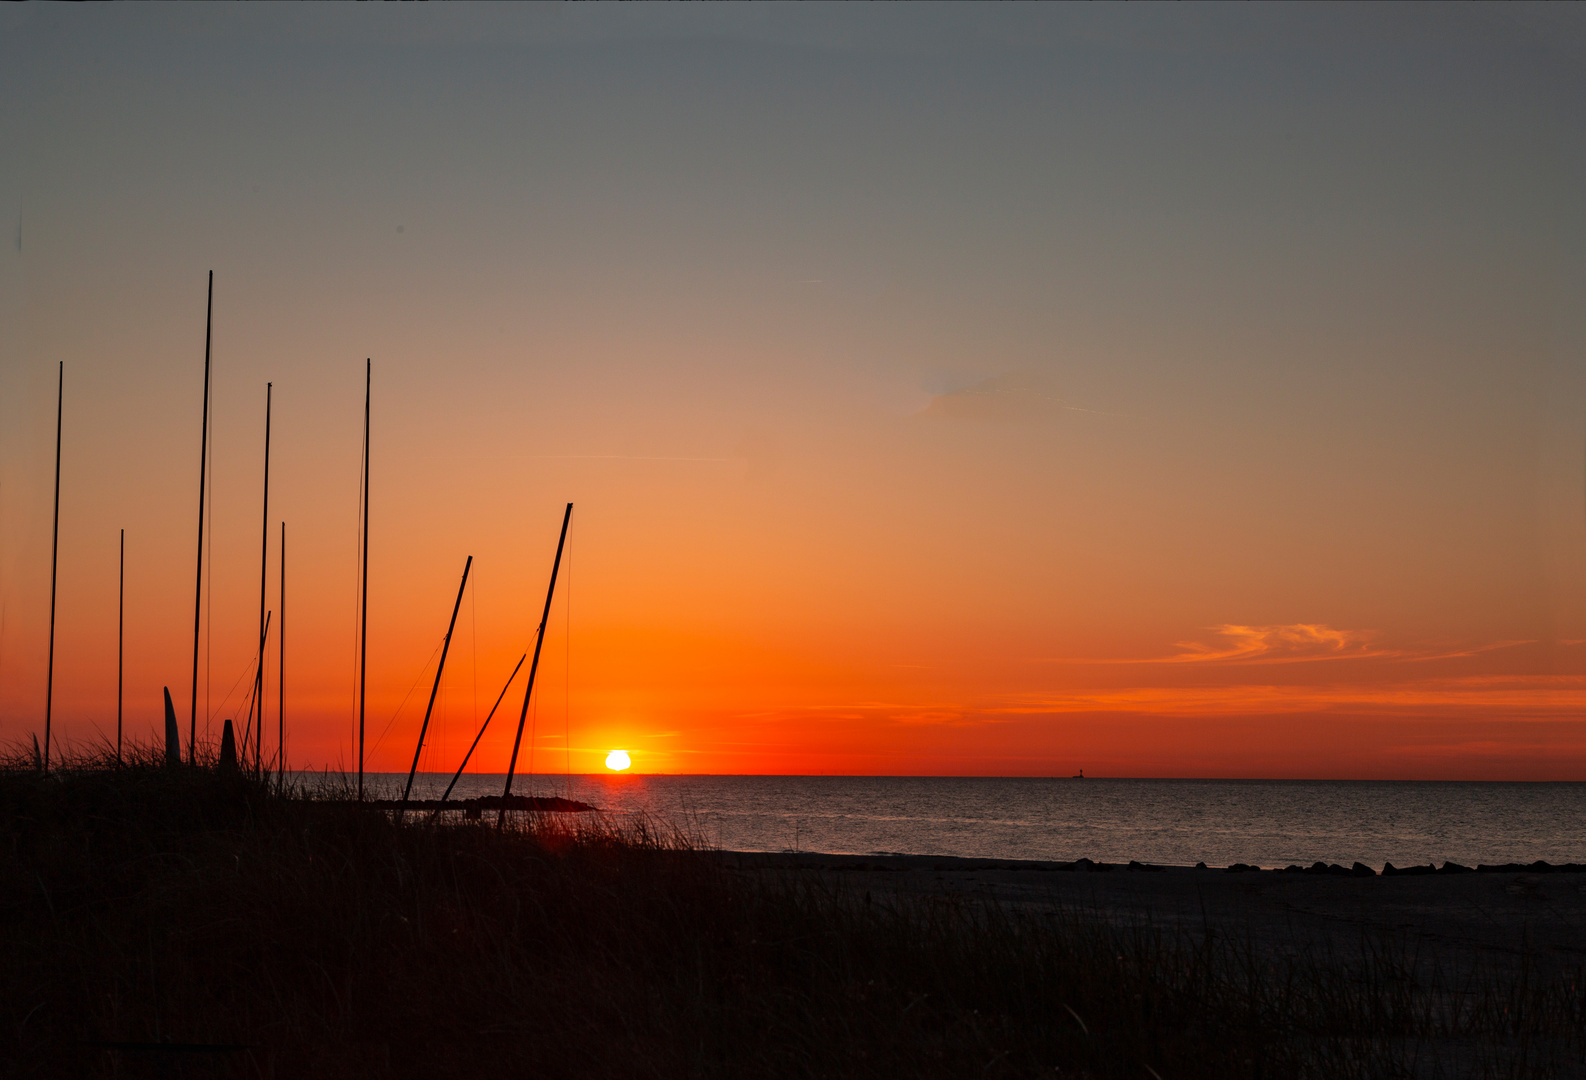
[(1493, 919)]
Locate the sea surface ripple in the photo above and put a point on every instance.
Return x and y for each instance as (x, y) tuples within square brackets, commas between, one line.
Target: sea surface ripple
[(1172, 822)]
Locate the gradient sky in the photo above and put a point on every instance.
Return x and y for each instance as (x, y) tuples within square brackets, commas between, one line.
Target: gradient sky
[(1154, 391)]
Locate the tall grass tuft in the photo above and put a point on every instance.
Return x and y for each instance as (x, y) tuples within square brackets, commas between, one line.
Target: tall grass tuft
[(186, 922)]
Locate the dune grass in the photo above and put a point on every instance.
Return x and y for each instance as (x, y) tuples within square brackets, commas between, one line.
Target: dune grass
[(178, 922)]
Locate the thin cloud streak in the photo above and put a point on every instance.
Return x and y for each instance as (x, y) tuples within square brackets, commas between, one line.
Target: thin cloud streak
[(1292, 643), (1553, 697), (1516, 697)]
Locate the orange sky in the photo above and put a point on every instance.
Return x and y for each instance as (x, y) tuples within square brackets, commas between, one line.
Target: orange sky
[(1159, 394)]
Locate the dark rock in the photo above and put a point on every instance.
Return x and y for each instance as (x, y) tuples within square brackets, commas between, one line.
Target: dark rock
[(1360, 869), (1455, 868), (1200, 866), (1241, 868)]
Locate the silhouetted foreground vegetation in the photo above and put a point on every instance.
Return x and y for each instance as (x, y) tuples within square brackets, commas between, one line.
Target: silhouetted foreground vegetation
[(178, 922)]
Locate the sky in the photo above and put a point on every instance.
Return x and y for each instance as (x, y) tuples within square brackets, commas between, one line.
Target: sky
[(1000, 390)]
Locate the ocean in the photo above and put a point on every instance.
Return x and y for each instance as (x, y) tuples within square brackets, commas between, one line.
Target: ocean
[(1269, 823)]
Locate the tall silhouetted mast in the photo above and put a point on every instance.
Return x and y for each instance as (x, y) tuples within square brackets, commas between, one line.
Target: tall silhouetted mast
[(203, 463), (55, 548), (440, 668), (121, 639), (533, 667), (280, 674), (363, 628), (264, 563)]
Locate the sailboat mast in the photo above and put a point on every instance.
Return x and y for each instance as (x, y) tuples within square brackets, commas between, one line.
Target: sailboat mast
[(280, 673), (264, 563), (121, 640), (363, 629), (440, 669), (528, 691), (475, 744), (203, 463), (55, 549), (255, 704)]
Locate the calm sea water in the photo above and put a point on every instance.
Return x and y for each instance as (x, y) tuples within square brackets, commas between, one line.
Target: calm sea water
[(1264, 822)]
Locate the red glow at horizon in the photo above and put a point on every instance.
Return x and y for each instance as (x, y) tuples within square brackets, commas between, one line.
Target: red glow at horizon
[(1219, 417)]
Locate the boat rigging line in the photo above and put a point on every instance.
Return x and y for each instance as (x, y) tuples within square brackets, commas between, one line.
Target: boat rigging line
[(482, 727)]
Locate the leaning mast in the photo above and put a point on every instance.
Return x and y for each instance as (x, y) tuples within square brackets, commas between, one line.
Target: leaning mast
[(528, 691), (198, 591), (55, 550), (280, 674), (264, 556)]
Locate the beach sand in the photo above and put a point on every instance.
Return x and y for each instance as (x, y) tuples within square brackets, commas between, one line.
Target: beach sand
[(1490, 920)]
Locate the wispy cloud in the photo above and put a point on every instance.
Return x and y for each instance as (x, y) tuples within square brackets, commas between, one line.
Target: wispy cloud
[(1534, 698), (1290, 643)]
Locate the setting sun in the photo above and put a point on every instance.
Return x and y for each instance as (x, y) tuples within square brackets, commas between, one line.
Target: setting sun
[(618, 760)]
